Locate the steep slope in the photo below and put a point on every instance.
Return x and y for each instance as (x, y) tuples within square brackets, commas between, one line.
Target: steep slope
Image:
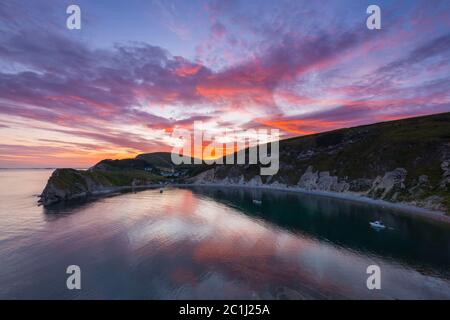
[(400, 161), (70, 184)]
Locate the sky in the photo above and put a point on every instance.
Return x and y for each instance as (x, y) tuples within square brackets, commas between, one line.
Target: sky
[(138, 69)]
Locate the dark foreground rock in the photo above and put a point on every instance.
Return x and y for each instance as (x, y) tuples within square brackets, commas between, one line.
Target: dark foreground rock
[(70, 184)]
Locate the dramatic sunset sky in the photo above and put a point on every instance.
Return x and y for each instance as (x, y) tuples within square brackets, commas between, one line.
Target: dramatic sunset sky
[(137, 69)]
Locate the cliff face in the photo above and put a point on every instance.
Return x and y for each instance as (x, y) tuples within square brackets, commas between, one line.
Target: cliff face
[(404, 161), (70, 184), (389, 187)]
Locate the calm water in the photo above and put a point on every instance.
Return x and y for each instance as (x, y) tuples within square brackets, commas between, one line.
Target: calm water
[(212, 243)]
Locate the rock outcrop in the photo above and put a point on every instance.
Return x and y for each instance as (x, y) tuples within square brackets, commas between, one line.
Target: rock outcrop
[(389, 187), (321, 181), (386, 187), (71, 184), (67, 184)]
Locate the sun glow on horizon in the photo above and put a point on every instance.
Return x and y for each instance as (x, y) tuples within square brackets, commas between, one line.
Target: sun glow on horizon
[(80, 96)]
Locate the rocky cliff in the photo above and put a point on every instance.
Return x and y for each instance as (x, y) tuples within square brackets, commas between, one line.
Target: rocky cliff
[(389, 187), (405, 161), (70, 184)]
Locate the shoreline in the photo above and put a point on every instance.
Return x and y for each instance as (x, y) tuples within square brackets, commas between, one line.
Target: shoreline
[(403, 208)]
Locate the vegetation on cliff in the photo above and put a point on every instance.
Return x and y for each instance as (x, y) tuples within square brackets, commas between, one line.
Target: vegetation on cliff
[(69, 184)]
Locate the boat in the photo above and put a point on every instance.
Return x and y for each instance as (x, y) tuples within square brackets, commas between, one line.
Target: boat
[(257, 201), (377, 225)]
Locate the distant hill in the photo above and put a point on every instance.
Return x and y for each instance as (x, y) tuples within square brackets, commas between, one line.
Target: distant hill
[(399, 161), (159, 163), (161, 160)]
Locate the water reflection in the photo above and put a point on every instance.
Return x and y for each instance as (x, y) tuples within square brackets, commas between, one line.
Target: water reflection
[(345, 223), (208, 243)]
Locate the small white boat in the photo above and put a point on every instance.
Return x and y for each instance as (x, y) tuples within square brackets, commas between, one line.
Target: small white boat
[(377, 225), (257, 201)]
